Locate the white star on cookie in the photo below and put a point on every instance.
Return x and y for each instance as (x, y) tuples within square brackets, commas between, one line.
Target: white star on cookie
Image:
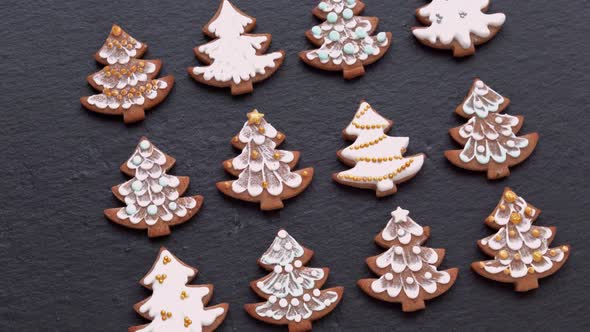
[(400, 214)]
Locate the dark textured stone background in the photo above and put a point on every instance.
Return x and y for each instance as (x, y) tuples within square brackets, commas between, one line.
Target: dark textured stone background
[(66, 268)]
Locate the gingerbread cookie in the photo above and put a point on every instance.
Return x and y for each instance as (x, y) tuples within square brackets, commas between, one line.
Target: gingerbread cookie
[(236, 59), (376, 158), (345, 40), (489, 137), (457, 24), (152, 196), (128, 84), (292, 290), (174, 305), (408, 271), (264, 173), (521, 251)]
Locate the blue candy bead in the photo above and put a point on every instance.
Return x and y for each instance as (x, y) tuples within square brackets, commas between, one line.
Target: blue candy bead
[(334, 36)]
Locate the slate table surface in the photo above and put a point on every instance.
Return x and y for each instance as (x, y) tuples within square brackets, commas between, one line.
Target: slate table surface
[(64, 267)]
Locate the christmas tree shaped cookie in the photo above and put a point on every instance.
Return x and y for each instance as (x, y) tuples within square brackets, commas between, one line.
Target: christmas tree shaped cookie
[(128, 84), (521, 251), (345, 40), (174, 305), (457, 24), (408, 271), (376, 158), (236, 58), (292, 290), (264, 173), (152, 196), (489, 137)]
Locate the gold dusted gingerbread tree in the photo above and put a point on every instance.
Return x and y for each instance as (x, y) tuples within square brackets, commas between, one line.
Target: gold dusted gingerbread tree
[(127, 83), (521, 250)]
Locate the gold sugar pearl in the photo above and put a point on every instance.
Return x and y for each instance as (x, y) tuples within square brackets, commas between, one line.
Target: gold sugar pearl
[(536, 232), (279, 136), (503, 254), (565, 248), (531, 270), (517, 256), (537, 256), (498, 237), (502, 207), (265, 185), (512, 233), (552, 252), (168, 314), (141, 63), (116, 30), (183, 295), (510, 196), (490, 219), (507, 271), (254, 154), (276, 156), (110, 45), (129, 46), (124, 42), (166, 260), (528, 211), (305, 173), (187, 322), (515, 218), (261, 130)]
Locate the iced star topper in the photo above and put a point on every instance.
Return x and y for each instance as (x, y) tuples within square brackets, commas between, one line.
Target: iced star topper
[(400, 214), (254, 117)]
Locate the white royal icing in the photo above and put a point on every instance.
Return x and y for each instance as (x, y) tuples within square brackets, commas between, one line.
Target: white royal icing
[(411, 267), (167, 297), (386, 147), (361, 46), (122, 55), (489, 134), (456, 20), (234, 55), (264, 169), (111, 101), (151, 195), (518, 239), (112, 77), (292, 287)]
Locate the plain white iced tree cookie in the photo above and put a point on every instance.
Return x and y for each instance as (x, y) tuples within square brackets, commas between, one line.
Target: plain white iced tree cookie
[(235, 58), (457, 24), (175, 306)]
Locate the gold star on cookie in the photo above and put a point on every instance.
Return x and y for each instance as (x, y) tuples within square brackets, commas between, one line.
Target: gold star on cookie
[(254, 117)]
